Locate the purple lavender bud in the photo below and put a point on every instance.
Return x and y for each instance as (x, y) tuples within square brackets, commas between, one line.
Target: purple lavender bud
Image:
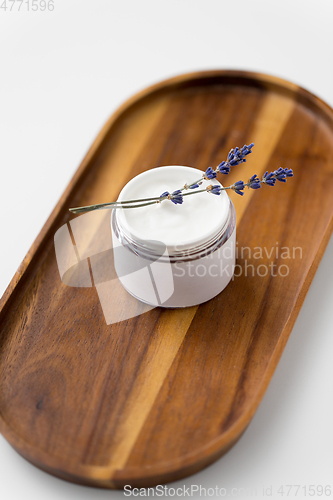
[(289, 172), (223, 168), (254, 182), (210, 173), (237, 156), (234, 162), (238, 187), (215, 189), (246, 150), (177, 197), (163, 195), (193, 186), (280, 175), (231, 154), (268, 176)]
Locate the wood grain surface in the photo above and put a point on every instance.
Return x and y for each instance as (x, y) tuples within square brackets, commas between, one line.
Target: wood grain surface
[(160, 396)]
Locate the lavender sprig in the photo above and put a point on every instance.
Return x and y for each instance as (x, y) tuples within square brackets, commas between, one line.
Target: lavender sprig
[(235, 157), (253, 183), (177, 197)]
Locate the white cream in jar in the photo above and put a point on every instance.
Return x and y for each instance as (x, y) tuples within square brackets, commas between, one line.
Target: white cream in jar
[(175, 255)]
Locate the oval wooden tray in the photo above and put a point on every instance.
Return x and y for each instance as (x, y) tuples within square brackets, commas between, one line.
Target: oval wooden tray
[(160, 396)]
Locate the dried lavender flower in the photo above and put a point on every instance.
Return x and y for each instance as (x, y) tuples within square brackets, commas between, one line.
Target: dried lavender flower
[(269, 179), (210, 174), (223, 168), (282, 173), (238, 187), (235, 157), (254, 182), (176, 197), (214, 189)]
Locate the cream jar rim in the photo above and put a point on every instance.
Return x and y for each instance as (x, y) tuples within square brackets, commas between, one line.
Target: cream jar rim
[(172, 246)]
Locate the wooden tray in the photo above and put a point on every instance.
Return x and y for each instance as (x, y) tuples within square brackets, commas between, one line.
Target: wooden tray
[(160, 396)]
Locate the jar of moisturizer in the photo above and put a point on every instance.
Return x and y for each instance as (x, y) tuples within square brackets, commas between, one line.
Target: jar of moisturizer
[(174, 255)]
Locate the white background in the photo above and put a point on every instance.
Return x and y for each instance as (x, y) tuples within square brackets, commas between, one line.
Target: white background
[(62, 73)]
